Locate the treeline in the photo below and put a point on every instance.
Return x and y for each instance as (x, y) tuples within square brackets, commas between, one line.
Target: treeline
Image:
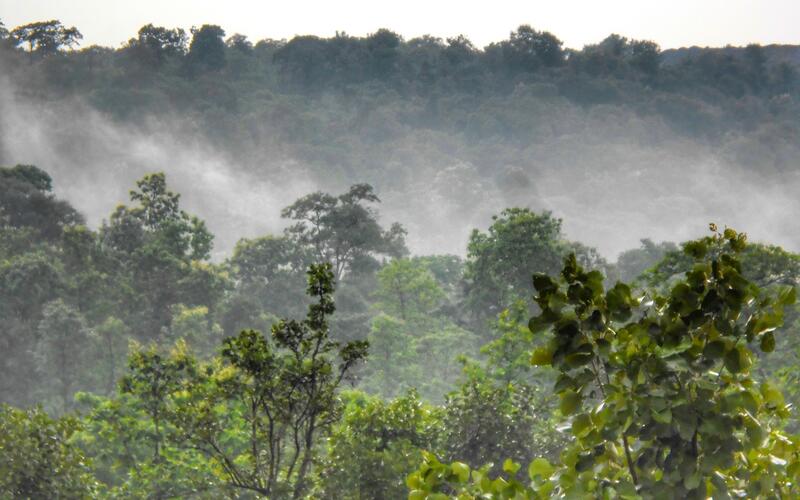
[(190, 71)]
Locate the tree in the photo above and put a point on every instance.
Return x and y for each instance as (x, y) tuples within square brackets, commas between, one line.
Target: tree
[(38, 459), (382, 47), (304, 62), (406, 289), (130, 438), (341, 229), (26, 200), (240, 42), (499, 262), (155, 44), (486, 423), (28, 281), (657, 389), (632, 263), (376, 444), (207, 50), (269, 272), (161, 250), (528, 49), (393, 366), (756, 62), (46, 37), (645, 56), (280, 396), (62, 350)]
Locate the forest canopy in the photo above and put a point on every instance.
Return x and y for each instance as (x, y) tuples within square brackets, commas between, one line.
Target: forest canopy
[(150, 352)]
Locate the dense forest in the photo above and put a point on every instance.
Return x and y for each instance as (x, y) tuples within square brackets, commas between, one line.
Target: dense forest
[(385, 301)]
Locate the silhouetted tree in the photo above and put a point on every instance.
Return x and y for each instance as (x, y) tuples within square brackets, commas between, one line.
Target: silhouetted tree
[(46, 37)]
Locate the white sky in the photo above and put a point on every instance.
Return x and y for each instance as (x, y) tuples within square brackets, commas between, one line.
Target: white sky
[(672, 23)]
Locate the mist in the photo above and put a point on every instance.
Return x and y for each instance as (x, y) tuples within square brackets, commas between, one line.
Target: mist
[(612, 175)]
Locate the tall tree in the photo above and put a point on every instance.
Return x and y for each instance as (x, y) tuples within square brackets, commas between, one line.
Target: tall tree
[(26, 200), (46, 37), (279, 395), (61, 351), (162, 250), (407, 289), (341, 229), (155, 44), (207, 49), (499, 262)]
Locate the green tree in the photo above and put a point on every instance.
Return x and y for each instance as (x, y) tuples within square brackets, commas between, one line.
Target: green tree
[(38, 459), (26, 200), (154, 45), (341, 229), (406, 289), (130, 440), (278, 398), (239, 42), (632, 263), (27, 283), (161, 252), (142, 439), (207, 49), (393, 366), (488, 423), (268, 272), (383, 50), (645, 57), (528, 49), (376, 444), (500, 262), (61, 351)]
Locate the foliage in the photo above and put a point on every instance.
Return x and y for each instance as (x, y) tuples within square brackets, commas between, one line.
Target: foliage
[(407, 290), (340, 229), (658, 392), (120, 437), (518, 243), (259, 412), (375, 446), (26, 200), (37, 459), (487, 423), (46, 37), (162, 248), (61, 350), (207, 50)]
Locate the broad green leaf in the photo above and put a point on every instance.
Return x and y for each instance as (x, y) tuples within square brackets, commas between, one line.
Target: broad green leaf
[(540, 467), (570, 401), (542, 356), (461, 470), (510, 466), (581, 425), (664, 416)]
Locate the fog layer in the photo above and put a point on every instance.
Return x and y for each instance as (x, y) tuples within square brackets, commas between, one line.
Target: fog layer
[(613, 175)]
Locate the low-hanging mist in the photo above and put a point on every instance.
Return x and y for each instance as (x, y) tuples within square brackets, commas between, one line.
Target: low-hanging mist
[(612, 175)]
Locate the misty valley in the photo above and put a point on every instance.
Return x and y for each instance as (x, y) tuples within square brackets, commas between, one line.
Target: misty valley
[(381, 268)]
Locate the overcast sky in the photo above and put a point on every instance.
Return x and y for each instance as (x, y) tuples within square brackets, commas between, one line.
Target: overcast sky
[(672, 23)]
